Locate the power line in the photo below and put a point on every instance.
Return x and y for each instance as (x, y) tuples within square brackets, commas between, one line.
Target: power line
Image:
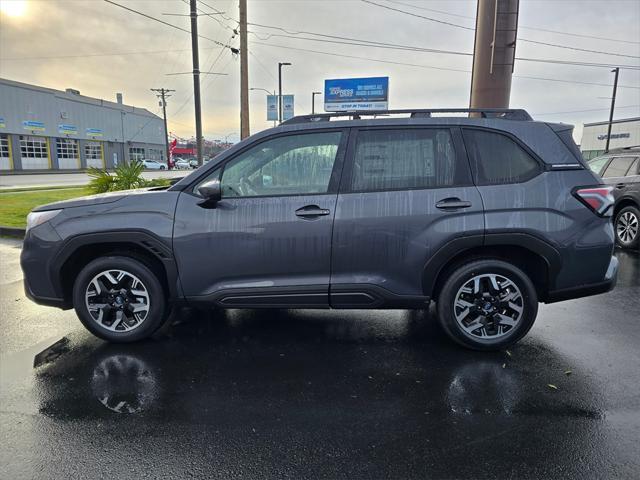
[(584, 111), (473, 29), (370, 43), (114, 54), (166, 23), (521, 27), (431, 67)]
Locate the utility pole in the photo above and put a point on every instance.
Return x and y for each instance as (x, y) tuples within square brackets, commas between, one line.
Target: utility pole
[(613, 105), (244, 73), (280, 65), (494, 53), (162, 95), (196, 76)]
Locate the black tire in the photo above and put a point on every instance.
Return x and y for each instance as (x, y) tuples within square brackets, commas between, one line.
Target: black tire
[(162, 167), (626, 215), (156, 298), (459, 276)]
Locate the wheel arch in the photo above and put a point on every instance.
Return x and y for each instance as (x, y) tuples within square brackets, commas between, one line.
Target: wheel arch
[(141, 246), (539, 260), (623, 203)]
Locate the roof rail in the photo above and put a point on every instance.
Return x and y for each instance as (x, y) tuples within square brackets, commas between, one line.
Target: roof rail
[(504, 113)]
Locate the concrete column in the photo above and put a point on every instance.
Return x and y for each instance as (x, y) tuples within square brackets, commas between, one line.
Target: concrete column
[(16, 155)]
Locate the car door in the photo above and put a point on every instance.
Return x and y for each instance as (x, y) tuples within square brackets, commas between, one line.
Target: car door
[(267, 242), (621, 173), (405, 195)]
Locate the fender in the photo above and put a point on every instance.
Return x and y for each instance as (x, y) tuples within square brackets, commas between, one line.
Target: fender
[(437, 262), (147, 241)]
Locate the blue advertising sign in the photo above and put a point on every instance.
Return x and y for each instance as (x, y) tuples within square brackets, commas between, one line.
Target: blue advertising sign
[(272, 107), (287, 107), (93, 132), (67, 129), (347, 94), (33, 125)]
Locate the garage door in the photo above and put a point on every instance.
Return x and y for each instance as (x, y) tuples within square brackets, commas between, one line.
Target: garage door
[(68, 153), (94, 154), (34, 152), (5, 153)]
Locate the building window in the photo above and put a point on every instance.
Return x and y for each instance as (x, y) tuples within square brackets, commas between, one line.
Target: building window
[(93, 154), (136, 154), (155, 154), (34, 152), (68, 154), (5, 155)]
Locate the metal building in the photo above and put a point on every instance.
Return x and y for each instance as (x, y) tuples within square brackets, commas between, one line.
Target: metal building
[(46, 129), (624, 133)]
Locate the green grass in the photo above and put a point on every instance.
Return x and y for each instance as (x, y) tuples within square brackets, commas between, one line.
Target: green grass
[(14, 206)]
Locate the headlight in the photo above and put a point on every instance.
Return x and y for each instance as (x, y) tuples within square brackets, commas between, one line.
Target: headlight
[(36, 218)]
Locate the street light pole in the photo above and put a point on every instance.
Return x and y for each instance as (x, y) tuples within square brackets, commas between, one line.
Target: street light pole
[(613, 104), (268, 92), (280, 65), (313, 101)]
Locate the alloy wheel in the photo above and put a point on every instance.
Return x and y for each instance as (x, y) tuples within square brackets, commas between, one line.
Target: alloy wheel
[(117, 300), (488, 306), (627, 227)]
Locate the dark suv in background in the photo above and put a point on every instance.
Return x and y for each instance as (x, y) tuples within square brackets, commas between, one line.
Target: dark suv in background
[(486, 215), (621, 169)]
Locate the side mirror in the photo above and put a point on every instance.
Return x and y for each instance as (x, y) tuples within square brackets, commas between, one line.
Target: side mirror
[(211, 191)]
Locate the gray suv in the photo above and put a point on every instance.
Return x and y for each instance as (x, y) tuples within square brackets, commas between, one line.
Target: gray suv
[(487, 215)]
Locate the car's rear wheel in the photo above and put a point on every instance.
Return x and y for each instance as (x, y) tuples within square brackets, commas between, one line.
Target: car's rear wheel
[(119, 299), (487, 304), (627, 225)]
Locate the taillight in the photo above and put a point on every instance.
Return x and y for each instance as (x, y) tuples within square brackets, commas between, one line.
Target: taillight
[(599, 199)]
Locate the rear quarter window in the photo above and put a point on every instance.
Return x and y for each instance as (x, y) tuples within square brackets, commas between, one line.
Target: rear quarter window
[(497, 159)]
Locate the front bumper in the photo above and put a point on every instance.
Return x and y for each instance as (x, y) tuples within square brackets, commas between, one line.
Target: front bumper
[(606, 285)]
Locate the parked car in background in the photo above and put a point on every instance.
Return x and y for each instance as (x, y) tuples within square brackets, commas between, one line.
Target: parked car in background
[(182, 164), (153, 165), (621, 169), (486, 216), (193, 162)]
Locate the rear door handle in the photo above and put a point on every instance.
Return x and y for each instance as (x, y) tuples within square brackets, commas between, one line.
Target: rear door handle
[(312, 211), (452, 204), (621, 185)]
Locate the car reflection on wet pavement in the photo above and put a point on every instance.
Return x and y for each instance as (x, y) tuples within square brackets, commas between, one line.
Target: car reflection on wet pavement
[(332, 394)]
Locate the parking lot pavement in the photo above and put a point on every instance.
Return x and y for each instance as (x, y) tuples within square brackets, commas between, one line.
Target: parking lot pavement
[(321, 394), (71, 179)]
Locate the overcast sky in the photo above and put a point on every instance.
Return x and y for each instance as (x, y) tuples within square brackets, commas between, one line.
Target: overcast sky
[(111, 50)]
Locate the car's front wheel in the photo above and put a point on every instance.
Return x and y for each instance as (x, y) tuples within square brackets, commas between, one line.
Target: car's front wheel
[(627, 224), (119, 299), (487, 304)]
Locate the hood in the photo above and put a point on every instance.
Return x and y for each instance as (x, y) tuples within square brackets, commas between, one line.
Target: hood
[(98, 199)]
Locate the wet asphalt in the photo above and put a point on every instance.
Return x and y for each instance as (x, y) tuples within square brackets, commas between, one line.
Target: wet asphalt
[(320, 394)]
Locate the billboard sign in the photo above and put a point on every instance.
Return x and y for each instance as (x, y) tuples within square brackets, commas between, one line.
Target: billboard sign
[(272, 107), (287, 107), (350, 94)]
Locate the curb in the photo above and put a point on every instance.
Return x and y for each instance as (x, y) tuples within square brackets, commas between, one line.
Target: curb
[(13, 232)]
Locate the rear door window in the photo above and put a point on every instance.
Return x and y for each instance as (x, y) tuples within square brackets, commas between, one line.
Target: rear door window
[(633, 170), (497, 159), (398, 159), (618, 167)]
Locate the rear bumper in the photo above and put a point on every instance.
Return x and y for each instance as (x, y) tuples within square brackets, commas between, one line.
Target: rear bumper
[(606, 285)]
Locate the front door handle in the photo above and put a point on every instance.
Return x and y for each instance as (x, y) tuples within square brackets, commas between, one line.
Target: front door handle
[(453, 203), (311, 211)]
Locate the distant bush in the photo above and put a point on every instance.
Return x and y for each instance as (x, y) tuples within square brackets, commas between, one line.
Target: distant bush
[(126, 177)]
